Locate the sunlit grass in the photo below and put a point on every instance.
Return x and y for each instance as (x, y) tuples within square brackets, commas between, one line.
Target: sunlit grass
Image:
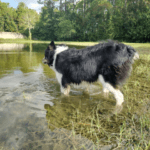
[(37, 41), (75, 43), (22, 41)]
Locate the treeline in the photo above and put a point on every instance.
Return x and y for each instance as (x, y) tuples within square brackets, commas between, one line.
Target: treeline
[(94, 20), (20, 20), (81, 20)]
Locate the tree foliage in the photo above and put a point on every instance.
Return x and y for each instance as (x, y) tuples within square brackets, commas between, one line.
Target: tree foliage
[(26, 19), (20, 20), (8, 18), (80, 20), (94, 20)]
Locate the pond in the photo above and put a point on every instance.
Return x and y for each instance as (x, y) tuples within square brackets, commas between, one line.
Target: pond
[(35, 115)]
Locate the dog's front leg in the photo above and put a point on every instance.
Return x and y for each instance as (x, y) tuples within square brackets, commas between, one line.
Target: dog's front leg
[(59, 79), (64, 87), (65, 91)]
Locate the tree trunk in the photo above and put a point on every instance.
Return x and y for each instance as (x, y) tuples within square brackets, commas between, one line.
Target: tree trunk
[(65, 6), (84, 7), (125, 3), (60, 6), (73, 5), (30, 34)]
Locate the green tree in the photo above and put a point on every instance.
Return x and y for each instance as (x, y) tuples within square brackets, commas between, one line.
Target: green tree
[(3, 7), (30, 19), (48, 22), (65, 29), (21, 12), (7, 16), (10, 24), (26, 19), (93, 20), (130, 21)]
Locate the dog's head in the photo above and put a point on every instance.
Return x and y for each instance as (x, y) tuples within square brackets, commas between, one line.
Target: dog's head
[(133, 52), (136, 56), (51, 50), (49, 54)]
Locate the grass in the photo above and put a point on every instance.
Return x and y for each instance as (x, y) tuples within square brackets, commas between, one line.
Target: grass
[(22, 41), (76, 43)]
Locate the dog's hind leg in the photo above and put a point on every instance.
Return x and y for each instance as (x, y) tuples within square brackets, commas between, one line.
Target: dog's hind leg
[(105, 91), (117, 93)]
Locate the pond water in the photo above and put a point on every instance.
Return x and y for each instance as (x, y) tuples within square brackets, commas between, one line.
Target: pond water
[(27, 89), (33, 112)]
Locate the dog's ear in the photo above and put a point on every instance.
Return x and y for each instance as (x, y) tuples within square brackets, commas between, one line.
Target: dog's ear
[(130, 49), (52, 46), (52, 43)]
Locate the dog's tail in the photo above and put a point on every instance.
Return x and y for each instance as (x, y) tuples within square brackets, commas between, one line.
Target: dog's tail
[(124, 71), (118, 70)]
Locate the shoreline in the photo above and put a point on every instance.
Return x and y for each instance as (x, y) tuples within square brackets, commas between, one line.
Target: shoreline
[(73, 43)]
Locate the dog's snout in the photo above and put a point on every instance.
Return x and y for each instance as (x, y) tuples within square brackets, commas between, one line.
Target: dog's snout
[(136, 56), (45, 61)]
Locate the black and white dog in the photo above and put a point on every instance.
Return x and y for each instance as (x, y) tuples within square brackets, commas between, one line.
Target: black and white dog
[(109, 62)]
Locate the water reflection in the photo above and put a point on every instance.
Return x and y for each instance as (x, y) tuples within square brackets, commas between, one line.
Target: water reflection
[(18, 72), (12, 46)]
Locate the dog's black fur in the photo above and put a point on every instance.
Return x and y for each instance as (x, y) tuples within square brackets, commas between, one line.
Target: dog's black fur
[(110, 59)]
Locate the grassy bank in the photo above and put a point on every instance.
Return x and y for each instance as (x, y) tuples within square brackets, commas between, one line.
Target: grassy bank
[(22, 41), (76, 43)]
